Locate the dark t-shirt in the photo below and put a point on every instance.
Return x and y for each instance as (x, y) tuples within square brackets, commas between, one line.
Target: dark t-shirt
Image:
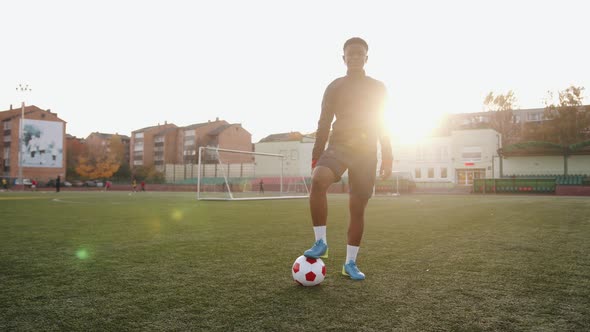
[(357, 102)]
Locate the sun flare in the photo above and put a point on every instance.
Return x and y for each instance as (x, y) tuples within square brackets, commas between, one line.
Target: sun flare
[(412, 126)]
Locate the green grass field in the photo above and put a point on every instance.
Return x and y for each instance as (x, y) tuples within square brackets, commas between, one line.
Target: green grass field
[(163, 261)]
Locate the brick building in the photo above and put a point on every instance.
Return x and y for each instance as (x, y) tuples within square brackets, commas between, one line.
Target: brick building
[(44, 145), (169, 144), (147, 145), (103, 140)]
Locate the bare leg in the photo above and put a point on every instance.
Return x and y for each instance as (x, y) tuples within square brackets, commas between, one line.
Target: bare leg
[(357, 207), (321, 180)]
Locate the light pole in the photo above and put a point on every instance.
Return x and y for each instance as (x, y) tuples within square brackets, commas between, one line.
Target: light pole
[(23, 89)]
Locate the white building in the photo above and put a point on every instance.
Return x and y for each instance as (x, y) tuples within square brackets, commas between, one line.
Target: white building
[(435, 161), (456, 159), (294, 146)]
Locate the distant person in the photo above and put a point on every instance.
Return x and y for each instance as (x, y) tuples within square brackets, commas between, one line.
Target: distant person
[(142, 184), (261, 187), (107, 185), (57, 183), (357, 102), (134, 185), (33, 185), (4, 184)]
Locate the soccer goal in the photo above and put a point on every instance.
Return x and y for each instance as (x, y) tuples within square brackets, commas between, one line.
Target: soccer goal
[(391, 186), (231, 175)]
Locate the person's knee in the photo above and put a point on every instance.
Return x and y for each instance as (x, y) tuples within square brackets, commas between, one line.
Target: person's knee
[(321, 179)]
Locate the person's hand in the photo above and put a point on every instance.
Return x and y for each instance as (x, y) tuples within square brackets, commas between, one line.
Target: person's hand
[(385, 170), (313, 163)]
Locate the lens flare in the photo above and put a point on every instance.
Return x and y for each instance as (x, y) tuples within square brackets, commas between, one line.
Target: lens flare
[(82, 254), (177, 215)]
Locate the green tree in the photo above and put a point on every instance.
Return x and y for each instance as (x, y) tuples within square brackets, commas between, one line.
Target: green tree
[(502, 120), (567, 120), (149, 174)]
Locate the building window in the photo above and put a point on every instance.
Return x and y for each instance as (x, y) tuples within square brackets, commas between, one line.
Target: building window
[(159, 139), (417, 173), (443, 172), (138, 146), (138, 135), (534, 117), (7, 125), (7, 138), (7, 152), (189, 133), (431, 172), (471, 154), (138, 162)]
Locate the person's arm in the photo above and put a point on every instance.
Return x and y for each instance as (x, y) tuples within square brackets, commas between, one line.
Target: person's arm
[(324, 125), (384, 140)]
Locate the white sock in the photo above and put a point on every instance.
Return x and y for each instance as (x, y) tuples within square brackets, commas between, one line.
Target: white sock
[(320, 233), (351, 252)]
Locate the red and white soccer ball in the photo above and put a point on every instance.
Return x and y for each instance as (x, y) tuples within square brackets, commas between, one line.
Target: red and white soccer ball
[(308, 271)]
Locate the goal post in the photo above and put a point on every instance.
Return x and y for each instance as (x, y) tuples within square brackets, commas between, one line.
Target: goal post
[(391, 186), (233, 175)]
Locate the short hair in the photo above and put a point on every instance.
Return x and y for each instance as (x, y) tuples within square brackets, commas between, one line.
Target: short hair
[(356, 41)]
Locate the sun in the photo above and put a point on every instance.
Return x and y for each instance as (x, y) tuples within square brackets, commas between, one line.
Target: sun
[(411, 126)]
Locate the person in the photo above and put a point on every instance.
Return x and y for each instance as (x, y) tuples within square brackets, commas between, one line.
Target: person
[(57, 183), (4, 184), (107, 185), (134, 185), (142, 185), (33, 185), (261, 187), (358, 102)]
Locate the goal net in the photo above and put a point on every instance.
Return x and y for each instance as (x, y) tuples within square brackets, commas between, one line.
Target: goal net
[(243, 175)]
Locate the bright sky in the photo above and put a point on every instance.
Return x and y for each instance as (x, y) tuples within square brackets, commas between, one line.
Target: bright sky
[(117, 66)]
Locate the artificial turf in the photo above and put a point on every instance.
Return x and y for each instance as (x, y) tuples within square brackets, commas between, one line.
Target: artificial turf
[(164, 261)]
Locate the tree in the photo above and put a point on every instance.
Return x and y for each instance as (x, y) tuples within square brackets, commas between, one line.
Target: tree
[(116, 148), (502, 120), (102, 160), (97, 166), (75, 148), (149, 173), (567, 121)]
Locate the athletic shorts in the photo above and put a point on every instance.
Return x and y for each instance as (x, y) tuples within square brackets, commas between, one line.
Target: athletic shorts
[(362, 168)]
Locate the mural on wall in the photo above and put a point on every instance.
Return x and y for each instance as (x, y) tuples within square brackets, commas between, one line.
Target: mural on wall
[(43, 143)]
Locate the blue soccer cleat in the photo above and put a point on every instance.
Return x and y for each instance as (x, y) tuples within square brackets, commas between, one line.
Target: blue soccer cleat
[(319, 250), (351, 270)]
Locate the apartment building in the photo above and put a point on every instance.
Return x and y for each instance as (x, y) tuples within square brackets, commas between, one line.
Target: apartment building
[(147, 145), (169, 144), (43, 149), (479, 120), (103, 140), (218, 133)]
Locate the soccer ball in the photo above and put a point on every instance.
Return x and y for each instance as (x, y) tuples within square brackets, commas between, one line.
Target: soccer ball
[(308, 271)]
